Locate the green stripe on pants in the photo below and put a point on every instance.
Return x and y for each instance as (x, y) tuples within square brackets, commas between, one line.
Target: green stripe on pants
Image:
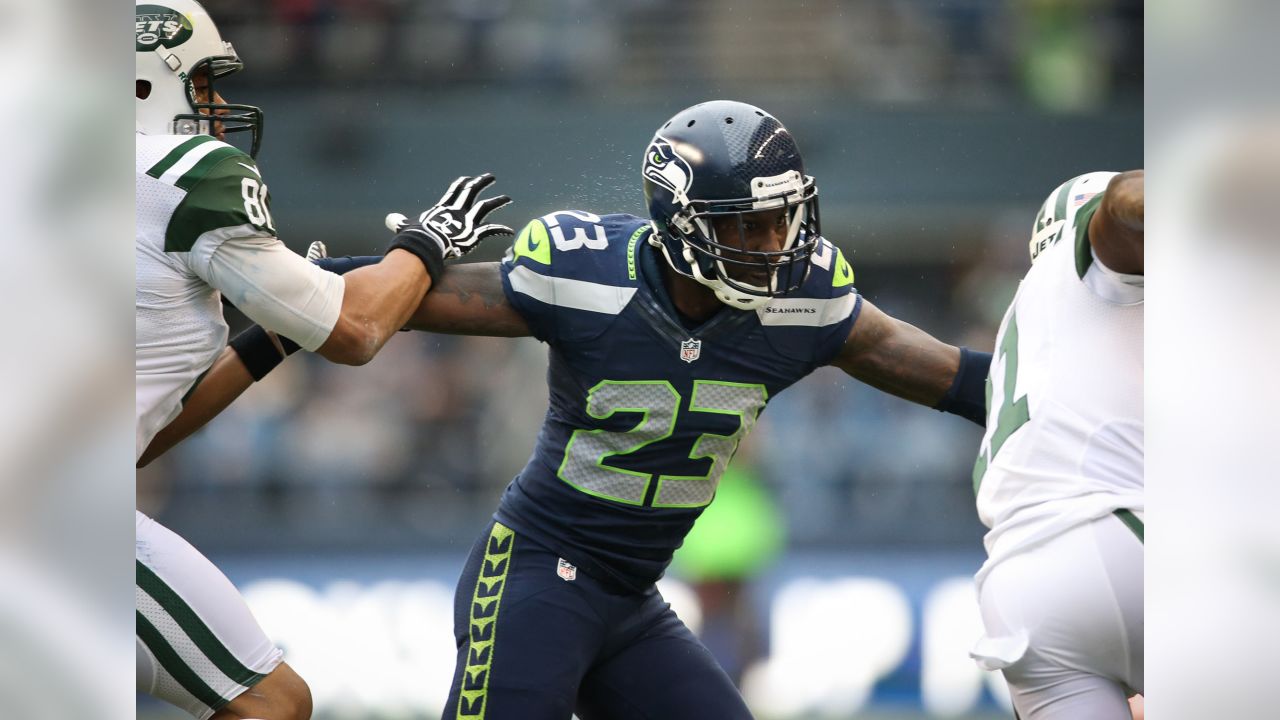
[(173, 664), (485, 602), (1128, 518), (194, 627)]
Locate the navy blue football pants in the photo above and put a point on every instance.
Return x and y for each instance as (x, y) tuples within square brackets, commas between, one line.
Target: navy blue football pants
[(534, 646)]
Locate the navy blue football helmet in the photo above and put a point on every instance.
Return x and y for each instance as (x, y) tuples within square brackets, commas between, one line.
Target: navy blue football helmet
[(720, 164)]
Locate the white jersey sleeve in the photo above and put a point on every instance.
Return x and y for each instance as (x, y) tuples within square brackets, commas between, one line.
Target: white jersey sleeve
[(273, 286), (1064, 438)]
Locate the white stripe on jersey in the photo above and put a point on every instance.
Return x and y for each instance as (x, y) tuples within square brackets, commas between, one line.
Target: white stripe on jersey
[(810, 312), (188, 161), (577, 294)]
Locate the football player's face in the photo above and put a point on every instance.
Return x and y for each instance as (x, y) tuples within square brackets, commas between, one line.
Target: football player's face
[(763, 231), (200, 84)]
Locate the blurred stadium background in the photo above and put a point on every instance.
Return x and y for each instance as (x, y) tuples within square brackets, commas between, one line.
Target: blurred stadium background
[(835, 583)]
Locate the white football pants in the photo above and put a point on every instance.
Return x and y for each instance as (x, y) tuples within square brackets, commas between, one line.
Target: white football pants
[(1064, 621), (198, 645)]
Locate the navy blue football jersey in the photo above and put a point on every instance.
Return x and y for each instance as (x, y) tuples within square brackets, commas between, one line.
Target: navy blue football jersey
[(645, 414)]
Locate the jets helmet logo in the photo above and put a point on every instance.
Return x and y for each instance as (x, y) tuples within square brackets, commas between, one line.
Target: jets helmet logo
[(664, 166), (156, 25)]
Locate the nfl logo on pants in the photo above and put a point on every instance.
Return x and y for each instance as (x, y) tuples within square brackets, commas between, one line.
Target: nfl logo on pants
[(566, 571), (690, 350)]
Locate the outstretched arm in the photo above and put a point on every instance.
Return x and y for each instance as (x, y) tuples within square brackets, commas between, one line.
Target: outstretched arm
[(1116, 229), (225, 381), (469, 300), (903, 360)]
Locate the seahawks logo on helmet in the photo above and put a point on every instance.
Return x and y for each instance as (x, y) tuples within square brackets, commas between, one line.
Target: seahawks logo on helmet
[(156, 25), (664, 167)]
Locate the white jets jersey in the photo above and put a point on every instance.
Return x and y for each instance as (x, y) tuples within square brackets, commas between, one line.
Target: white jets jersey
[(193, 194), (1064, 439)]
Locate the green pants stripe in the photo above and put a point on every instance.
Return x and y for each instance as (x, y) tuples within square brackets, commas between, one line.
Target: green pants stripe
[(168, 659), (1128, 518), (194, 627), (481, 636)]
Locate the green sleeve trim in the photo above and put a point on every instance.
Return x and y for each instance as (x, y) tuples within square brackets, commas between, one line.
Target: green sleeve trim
[(844, 271), (1084, 254), (225, 195), (176, 154), (631, 250)]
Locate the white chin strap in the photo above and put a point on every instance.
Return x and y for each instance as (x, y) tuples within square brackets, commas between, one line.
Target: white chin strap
[(730, 296), (725, 294)]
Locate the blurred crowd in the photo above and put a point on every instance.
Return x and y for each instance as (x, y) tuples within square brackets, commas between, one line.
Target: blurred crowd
[(1059, 54)]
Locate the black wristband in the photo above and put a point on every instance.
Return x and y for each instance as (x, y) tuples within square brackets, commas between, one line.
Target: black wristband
[(426, 248), (967, 396), (259, 352)]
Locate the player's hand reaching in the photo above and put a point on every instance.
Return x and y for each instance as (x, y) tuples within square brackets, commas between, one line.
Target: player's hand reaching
[(454, 225)]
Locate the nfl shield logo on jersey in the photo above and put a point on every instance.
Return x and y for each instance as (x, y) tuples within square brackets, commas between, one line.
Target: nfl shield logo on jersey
[(690, 350), (567, 572)]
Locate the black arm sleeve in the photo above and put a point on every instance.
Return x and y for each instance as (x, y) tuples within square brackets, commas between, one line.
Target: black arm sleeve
[(967, 396)]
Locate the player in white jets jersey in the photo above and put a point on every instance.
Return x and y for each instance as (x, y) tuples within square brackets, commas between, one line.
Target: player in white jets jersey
[(204, 231), (1059, 475)]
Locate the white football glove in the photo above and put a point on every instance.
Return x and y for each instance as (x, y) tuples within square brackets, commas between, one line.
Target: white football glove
[(456, 221)]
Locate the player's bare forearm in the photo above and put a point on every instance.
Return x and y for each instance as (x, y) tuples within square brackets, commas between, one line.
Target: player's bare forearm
[(224, 382), (1116, 229), (468, 300), (898, 358), (377, 301)]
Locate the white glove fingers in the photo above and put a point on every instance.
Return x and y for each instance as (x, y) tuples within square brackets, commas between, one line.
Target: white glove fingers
[(487, 231), (316, 251), (486, 206), (471, 190), (451, 195)]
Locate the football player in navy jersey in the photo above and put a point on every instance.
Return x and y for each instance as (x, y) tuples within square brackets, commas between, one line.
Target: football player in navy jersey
[(668, 335)]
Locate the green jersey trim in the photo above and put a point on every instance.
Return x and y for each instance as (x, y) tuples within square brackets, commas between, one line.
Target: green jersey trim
[(631, 251), (206, 164), (844, 271), (177, 154), (226, 192), (1084, 251), (533, 243)]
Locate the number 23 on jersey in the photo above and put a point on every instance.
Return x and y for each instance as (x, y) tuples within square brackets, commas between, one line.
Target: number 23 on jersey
[(659, 404)]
